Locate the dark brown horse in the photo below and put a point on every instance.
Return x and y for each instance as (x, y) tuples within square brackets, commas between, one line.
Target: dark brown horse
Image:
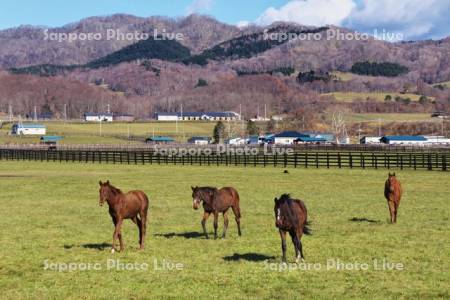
[(393, 194), (125, 206), (291, 216), (217, 201)]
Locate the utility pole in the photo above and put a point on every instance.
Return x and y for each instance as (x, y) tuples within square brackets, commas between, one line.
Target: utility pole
[(65, 112), (35, 114), (265, 112), (10, 113), (379, 127)]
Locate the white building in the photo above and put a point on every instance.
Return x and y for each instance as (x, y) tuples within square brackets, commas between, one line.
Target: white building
[(236, 141), (28, 129), (98, 117), (437, 140), (288, 137), (371, 140), (198, 116)]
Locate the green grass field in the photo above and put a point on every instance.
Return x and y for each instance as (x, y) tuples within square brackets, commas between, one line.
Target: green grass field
[(355, 96), (114, 133), (50, 214)]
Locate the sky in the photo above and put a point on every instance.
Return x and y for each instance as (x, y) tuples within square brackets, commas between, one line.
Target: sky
[(411, 19)]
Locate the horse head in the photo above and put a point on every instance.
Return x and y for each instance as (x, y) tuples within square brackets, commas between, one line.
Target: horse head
[(104, 192), (391, 180), (200, 194)]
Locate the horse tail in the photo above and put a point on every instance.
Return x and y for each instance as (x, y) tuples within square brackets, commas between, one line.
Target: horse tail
[(237, 210), (307, 229)]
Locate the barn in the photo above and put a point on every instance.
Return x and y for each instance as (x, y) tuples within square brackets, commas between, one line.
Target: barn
[(404, 140), (199, 140), (98, 117), (160, 140), (28, 129), (288, 137)]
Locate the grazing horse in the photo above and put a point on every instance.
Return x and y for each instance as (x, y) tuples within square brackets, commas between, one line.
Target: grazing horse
[(291, 216), (217, 201), (393, 194), (125, 206)]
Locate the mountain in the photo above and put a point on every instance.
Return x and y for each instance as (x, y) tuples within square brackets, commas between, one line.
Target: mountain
[(27, 46)]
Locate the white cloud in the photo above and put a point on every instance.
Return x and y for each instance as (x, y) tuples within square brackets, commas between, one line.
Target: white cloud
[(414, 19), (199, 6), (309, 12)]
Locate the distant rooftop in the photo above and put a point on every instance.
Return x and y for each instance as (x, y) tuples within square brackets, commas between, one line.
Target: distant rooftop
[(404, 138)]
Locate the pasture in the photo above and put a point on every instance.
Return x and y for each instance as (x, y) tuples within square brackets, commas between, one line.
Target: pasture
[(114, 133), (51, 218), (379, 96)]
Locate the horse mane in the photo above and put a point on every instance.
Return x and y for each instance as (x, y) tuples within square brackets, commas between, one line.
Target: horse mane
[(114, 190)]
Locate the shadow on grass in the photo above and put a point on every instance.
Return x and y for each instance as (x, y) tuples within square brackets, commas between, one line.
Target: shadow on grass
[(255, 257), (186, 235), (364, 220), (100, 247)]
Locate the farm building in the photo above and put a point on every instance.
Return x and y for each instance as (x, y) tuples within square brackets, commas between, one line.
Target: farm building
[(98, 117), (124, 118), (28, 129), (310, 140), (50, 139), (437, 140), (370, 140), (404, 140), (328, 137), (288, 137), (236, 141), (159, 140), (198, 116), (199, 140)]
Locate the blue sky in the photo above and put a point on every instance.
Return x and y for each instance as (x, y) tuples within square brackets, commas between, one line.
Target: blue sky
[(412, 19), (57, 12)]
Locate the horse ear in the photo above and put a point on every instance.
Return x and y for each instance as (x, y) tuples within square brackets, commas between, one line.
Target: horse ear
[(275, 200), (100, 182), (394, 174), (107, 182), (193, 188)]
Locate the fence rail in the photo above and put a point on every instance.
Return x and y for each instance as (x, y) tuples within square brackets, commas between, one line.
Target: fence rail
[(306, 159)]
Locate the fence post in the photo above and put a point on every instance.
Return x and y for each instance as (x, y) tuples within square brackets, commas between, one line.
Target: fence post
[(444, 162)]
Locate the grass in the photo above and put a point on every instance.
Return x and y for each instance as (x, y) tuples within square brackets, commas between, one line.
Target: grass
[(50, 212), (113, 133), (355, 96), (399, 117)]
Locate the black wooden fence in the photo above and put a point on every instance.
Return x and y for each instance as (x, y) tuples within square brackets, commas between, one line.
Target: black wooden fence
[(298, 159)]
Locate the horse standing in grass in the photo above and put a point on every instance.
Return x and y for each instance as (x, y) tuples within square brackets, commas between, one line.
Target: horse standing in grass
[(291, 216), (393, 194), (217, 201), (125, 206)]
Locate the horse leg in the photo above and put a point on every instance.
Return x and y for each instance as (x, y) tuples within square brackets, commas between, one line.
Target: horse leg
[(216, 223), (396, 210), (137, 221), (237, 215), (283, 244), (392, 210), (118, 233), (113, 249), (205, 218), (225, 223), (300, 247), (294, 241), (143, 228)]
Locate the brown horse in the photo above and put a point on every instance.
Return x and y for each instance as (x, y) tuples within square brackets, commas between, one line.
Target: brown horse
[(393, 194), (125, 206), (217, 201), (291, 216)]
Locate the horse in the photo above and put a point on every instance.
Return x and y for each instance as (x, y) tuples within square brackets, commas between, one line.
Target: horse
[(393, 194), (291, 216), (125, 206), (217, 201)]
